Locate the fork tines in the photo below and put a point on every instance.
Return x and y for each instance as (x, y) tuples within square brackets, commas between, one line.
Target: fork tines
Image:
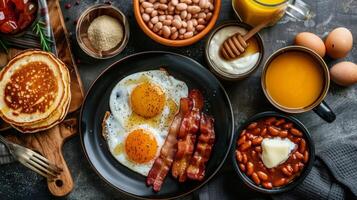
[(41, 165)]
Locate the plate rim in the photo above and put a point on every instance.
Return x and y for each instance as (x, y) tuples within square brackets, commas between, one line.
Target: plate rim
[(203, 183)]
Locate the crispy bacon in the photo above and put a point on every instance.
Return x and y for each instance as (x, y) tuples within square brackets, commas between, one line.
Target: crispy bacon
[(196, 169), (187, 136), (163, 163), (190, 123)]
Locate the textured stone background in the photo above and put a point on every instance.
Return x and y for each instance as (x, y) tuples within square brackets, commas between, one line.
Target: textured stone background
[(16, 182)]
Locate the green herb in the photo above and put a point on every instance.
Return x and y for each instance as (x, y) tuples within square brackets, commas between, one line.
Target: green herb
[(4, 46), (40, 29)]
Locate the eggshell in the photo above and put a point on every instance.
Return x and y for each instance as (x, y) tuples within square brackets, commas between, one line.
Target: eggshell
[(312, 42), (339, 42), (344, 73)]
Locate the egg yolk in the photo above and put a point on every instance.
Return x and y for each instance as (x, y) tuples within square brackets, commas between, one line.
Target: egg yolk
[(147, 100), (140, 146)]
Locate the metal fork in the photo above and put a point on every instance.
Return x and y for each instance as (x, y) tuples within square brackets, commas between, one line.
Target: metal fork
[(32, 160)]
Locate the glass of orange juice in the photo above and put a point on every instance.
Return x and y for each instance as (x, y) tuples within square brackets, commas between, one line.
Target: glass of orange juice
[(253, 12)]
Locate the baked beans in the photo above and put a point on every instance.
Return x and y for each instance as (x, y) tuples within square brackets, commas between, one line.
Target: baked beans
[(248, 152)]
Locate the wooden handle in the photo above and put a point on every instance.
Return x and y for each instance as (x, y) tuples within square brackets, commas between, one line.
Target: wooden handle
[(256, 29), (51, 144)]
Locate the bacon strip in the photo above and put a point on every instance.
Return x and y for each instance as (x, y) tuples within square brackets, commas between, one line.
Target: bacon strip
[(163, 163), (191, 121), (187, 137), (196, 169)]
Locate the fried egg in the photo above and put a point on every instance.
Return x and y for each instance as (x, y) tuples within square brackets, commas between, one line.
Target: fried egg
[(149, 97), (142, 107), (137, 148)]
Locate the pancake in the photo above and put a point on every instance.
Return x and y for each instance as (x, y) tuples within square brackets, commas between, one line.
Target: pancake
[(58, 115), (35, 88)]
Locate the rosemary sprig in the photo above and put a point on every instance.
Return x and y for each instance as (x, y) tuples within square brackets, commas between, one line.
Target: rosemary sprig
[(40, 29), (4, 46)]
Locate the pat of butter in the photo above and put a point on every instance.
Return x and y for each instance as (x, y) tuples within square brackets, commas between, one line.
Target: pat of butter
[(276, 151)]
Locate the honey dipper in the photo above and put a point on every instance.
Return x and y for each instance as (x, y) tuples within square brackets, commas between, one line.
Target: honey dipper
[(236, 44)]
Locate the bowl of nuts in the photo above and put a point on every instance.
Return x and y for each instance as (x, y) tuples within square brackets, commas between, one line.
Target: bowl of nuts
[(176, 22), (272, 152)]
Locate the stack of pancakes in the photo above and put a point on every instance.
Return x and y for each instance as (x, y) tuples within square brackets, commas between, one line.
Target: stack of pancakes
[(34, 91)]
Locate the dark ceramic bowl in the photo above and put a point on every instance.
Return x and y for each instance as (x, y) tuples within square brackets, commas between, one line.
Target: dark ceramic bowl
[(299, 179)]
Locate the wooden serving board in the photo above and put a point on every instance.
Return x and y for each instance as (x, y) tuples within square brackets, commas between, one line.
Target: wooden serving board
[(49, 143)]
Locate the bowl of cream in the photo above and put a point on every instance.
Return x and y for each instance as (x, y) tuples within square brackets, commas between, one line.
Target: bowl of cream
[(240, 67)]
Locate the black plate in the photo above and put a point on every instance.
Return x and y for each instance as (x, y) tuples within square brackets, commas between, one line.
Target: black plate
[(97, 102)]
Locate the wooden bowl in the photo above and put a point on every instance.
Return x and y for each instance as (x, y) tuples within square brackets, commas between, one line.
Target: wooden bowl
[(176, 43), (86, 19)]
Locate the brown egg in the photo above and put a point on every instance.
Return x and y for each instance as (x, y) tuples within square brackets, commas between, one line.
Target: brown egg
[(312, 42), (344, 73), (339, 42)]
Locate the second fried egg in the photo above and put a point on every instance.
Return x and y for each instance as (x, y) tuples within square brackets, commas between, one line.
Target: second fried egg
[(136, 148)]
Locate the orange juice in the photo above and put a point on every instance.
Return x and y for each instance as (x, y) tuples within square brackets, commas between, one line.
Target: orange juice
[(253, 12), (294, 80)]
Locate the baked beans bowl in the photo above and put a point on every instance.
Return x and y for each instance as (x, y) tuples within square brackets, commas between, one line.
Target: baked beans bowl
[(248, 159), (176, 22)]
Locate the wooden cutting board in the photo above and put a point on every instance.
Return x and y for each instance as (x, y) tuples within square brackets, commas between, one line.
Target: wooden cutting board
[(49, 143)]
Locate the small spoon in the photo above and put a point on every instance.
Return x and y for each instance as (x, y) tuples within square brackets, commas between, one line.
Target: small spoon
[(235, 45)]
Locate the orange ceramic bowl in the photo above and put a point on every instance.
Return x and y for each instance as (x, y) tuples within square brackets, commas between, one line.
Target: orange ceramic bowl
[(176, 43)]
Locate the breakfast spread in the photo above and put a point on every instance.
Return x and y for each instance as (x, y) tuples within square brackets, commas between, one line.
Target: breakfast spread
[(105, 32), (156, 125), (294, 80), (272, 152), (176, 20), (35, 86), (244, 62), (17, 15)]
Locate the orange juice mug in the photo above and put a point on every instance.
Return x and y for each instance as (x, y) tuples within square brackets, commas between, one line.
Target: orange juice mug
[(253, 12)]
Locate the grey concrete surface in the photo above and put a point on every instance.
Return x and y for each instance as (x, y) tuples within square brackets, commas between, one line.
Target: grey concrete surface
[(16, 182)]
